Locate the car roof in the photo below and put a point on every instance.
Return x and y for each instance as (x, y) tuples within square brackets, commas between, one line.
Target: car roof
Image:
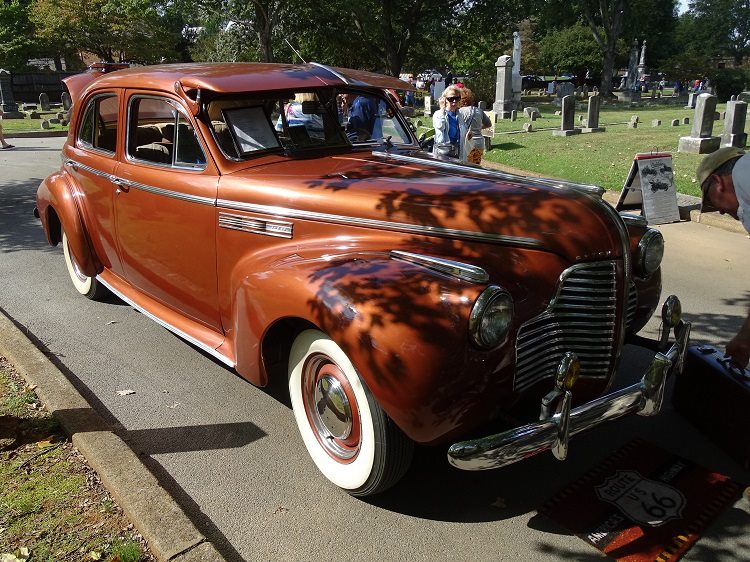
[(234, 77)]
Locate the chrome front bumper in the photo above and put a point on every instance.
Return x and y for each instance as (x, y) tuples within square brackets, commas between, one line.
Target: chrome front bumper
[(554, 430)]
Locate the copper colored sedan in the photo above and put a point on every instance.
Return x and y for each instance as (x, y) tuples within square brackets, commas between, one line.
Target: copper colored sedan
[(285, 219)]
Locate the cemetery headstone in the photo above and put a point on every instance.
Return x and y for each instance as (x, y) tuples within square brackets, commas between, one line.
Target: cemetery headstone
[(567, 126), (655, 122), (67, 102), (686, 120), (592, 115), (692, 99), (427, 105), (503, 87), (7, 101), (516, 80), (734, 125), (701, 139), (513, 115), (44, 101), (528, 111), (675, 122), (528, 127), (45, 124)]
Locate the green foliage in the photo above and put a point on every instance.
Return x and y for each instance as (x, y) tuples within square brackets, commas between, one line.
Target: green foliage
[(731, 82), (723, 27), (16, 36), (570, 50)]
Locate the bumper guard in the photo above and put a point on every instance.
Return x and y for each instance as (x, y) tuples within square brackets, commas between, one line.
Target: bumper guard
[(557, 424)]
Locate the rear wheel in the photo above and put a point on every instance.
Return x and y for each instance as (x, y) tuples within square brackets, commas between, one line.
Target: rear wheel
[(89, 287), (348, 435)]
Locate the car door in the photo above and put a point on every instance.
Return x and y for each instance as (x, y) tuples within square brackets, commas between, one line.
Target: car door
[(91, 162), (165, 208)]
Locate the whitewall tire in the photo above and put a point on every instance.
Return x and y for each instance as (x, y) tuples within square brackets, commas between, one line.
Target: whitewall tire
[(89, 287), (347, 434)]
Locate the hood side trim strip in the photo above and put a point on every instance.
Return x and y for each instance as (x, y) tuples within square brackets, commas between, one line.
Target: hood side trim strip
[(384, 225)]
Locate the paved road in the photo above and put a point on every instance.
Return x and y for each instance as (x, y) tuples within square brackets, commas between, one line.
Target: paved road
[(231, 455)]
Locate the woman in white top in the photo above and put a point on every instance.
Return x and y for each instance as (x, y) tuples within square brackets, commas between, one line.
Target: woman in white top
[(471, 121)]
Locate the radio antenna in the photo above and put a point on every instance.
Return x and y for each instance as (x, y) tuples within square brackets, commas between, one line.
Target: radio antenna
[(295, 50)]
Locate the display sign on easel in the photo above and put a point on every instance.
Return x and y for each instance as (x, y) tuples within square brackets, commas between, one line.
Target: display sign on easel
[(650, 187)]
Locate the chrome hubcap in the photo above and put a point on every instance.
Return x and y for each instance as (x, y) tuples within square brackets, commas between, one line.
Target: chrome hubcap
[(332, 407)]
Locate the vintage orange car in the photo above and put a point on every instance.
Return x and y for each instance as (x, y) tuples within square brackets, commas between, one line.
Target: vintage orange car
[(285, 219)]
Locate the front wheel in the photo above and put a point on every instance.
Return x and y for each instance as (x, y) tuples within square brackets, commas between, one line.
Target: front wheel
[(89, 287), (349, 437)]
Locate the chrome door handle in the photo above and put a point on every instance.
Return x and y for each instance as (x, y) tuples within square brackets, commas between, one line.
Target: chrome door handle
[(71, 164), (121, 185)]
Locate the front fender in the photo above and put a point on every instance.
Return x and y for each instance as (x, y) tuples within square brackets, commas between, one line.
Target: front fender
[(56, 202), (404, 327)]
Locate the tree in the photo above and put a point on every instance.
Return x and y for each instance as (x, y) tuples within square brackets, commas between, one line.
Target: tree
[(115, 31), (724, 26), (605, 20), (16, 36), (571, 50)]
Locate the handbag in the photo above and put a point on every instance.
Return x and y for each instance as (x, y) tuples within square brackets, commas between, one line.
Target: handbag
[(446, 149)]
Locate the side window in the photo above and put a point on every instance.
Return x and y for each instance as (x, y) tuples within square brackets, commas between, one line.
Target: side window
[(160, 134), (99, 125), (188, 151)]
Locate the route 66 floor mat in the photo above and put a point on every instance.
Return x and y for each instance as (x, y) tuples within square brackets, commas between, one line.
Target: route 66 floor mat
[(642, 503)]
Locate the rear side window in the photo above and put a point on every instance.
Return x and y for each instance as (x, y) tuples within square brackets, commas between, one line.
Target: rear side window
[(99, 125), (160, 134)]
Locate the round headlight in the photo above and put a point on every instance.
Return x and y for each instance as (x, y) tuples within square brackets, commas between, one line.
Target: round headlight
[(491, 317), (650, 253)]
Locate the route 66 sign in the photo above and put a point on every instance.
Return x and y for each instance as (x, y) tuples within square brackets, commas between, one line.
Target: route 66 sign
[(645, 501)]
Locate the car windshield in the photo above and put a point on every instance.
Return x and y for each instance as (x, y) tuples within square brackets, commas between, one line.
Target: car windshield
[(290, 122)]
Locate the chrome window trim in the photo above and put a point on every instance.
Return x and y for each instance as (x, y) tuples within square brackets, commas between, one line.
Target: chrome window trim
[(385, 225), (464, 271), (199, 344), (432, 161)]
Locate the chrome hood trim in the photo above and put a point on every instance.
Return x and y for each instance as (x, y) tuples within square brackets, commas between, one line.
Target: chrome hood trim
[(460, 167), (464, 271)]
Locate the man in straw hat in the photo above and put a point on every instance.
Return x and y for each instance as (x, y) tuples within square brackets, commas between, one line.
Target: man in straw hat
[(724, 177)]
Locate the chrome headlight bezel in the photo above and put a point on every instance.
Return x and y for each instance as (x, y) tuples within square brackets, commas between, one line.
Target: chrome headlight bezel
[(649, 254), (493, 300)]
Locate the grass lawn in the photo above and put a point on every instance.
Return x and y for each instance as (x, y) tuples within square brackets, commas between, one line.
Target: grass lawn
[(27, 125), (602, 159), (52, 505)]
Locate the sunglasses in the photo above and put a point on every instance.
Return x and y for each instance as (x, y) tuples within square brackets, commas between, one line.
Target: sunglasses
[(453, 98)]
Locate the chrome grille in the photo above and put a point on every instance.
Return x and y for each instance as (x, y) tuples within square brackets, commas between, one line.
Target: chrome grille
[(632, 305), (580, 318)]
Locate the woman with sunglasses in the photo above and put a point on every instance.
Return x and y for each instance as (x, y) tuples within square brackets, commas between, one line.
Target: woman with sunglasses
[(445, 122)]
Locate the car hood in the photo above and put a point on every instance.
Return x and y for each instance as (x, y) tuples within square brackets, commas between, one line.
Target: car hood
[(418, 195)]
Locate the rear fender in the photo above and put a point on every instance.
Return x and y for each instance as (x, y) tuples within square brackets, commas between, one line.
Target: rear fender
[(404, 327), (57, 208)]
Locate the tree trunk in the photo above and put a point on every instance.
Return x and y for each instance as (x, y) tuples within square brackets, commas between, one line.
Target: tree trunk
[(607, 71)]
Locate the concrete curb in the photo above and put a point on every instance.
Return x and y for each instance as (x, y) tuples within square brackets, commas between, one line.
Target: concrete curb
[(170, 534)]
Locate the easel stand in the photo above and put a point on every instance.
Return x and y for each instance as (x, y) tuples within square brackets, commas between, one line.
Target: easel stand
[(650, 187)]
